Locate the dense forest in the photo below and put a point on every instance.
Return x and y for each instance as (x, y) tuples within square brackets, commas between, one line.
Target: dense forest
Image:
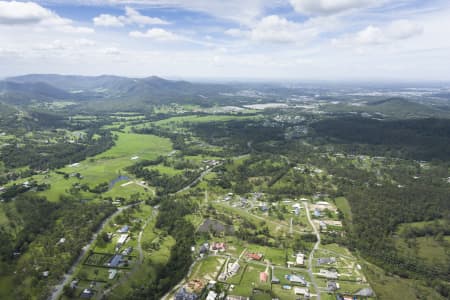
[(421, 139)]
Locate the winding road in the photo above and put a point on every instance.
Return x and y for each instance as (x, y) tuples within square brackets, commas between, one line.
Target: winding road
[(311, 255)]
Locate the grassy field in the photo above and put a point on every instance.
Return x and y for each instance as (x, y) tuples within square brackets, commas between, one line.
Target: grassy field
[(207, 268), (343, 205), (108, 166), (200, 119), (426, 248), (394, 288)]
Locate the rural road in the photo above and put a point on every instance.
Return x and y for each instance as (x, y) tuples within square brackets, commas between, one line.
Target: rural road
[(200, 177), (57, 290), (311, 255)]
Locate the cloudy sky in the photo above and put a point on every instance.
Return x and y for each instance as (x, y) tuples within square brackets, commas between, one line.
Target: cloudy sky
[(229, 39)]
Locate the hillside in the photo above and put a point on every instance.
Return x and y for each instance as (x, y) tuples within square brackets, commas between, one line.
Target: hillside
[(112, 88), (398, 108)]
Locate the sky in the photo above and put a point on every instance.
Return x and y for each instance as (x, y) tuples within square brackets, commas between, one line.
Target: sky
[(399, 40)]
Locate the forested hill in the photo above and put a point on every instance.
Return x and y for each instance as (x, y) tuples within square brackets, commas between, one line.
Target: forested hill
[(422, 139), (152, 89)]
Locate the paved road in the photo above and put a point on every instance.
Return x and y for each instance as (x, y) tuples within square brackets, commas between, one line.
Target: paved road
[(311, 255), (57, 290), (200, 177)]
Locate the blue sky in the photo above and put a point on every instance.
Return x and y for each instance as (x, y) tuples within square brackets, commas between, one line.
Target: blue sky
[(233, 39)]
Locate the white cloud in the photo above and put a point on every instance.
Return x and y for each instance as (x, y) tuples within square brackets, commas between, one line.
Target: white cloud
[(376, 35), (13, 13), (131, 16), (158, 34), (111, 51), (85, 43), (243, 12), (134, 17), (403, 29), (29, 13), (276, 29), (235, 32), (324, 7), (107, 21), (371, 35)]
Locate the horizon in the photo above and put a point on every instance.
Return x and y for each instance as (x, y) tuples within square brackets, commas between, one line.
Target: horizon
[(354, 83), (261, 40)]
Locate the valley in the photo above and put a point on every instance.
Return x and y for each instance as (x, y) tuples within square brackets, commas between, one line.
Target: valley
[(199, 201)]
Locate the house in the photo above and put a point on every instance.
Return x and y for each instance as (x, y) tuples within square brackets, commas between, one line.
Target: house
[(235, 268), (296, 205), (300, 259), (86, 294), (122, 240), (45, 273), (196, 285), (254, 256), (263, 276), (296, 211), (127, 251), (211, 295), (286, 287), (263, 207), (204, 248), (296, 279), (322, 225), (329, 274), (112, 273), (183, 294), (231, 297), (124, 229), (302, 292), (343, 297), (115, 261), (332, 286), (231, 269), (73, 284), (326, 261), (317, 213), (211, 284), (218, 247), (275, 279), (365, 292)]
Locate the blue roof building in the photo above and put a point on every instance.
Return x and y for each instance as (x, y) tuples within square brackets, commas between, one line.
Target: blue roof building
[(115, 261), (183, 294), (124, 229)]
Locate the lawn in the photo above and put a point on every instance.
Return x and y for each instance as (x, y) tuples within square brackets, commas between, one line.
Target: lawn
[(207, 268), (250, 280), (343, 205)]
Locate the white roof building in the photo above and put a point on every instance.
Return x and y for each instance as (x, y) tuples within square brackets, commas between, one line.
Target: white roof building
[(211, 295), (301, 291), (300, 259), (122, 239)]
